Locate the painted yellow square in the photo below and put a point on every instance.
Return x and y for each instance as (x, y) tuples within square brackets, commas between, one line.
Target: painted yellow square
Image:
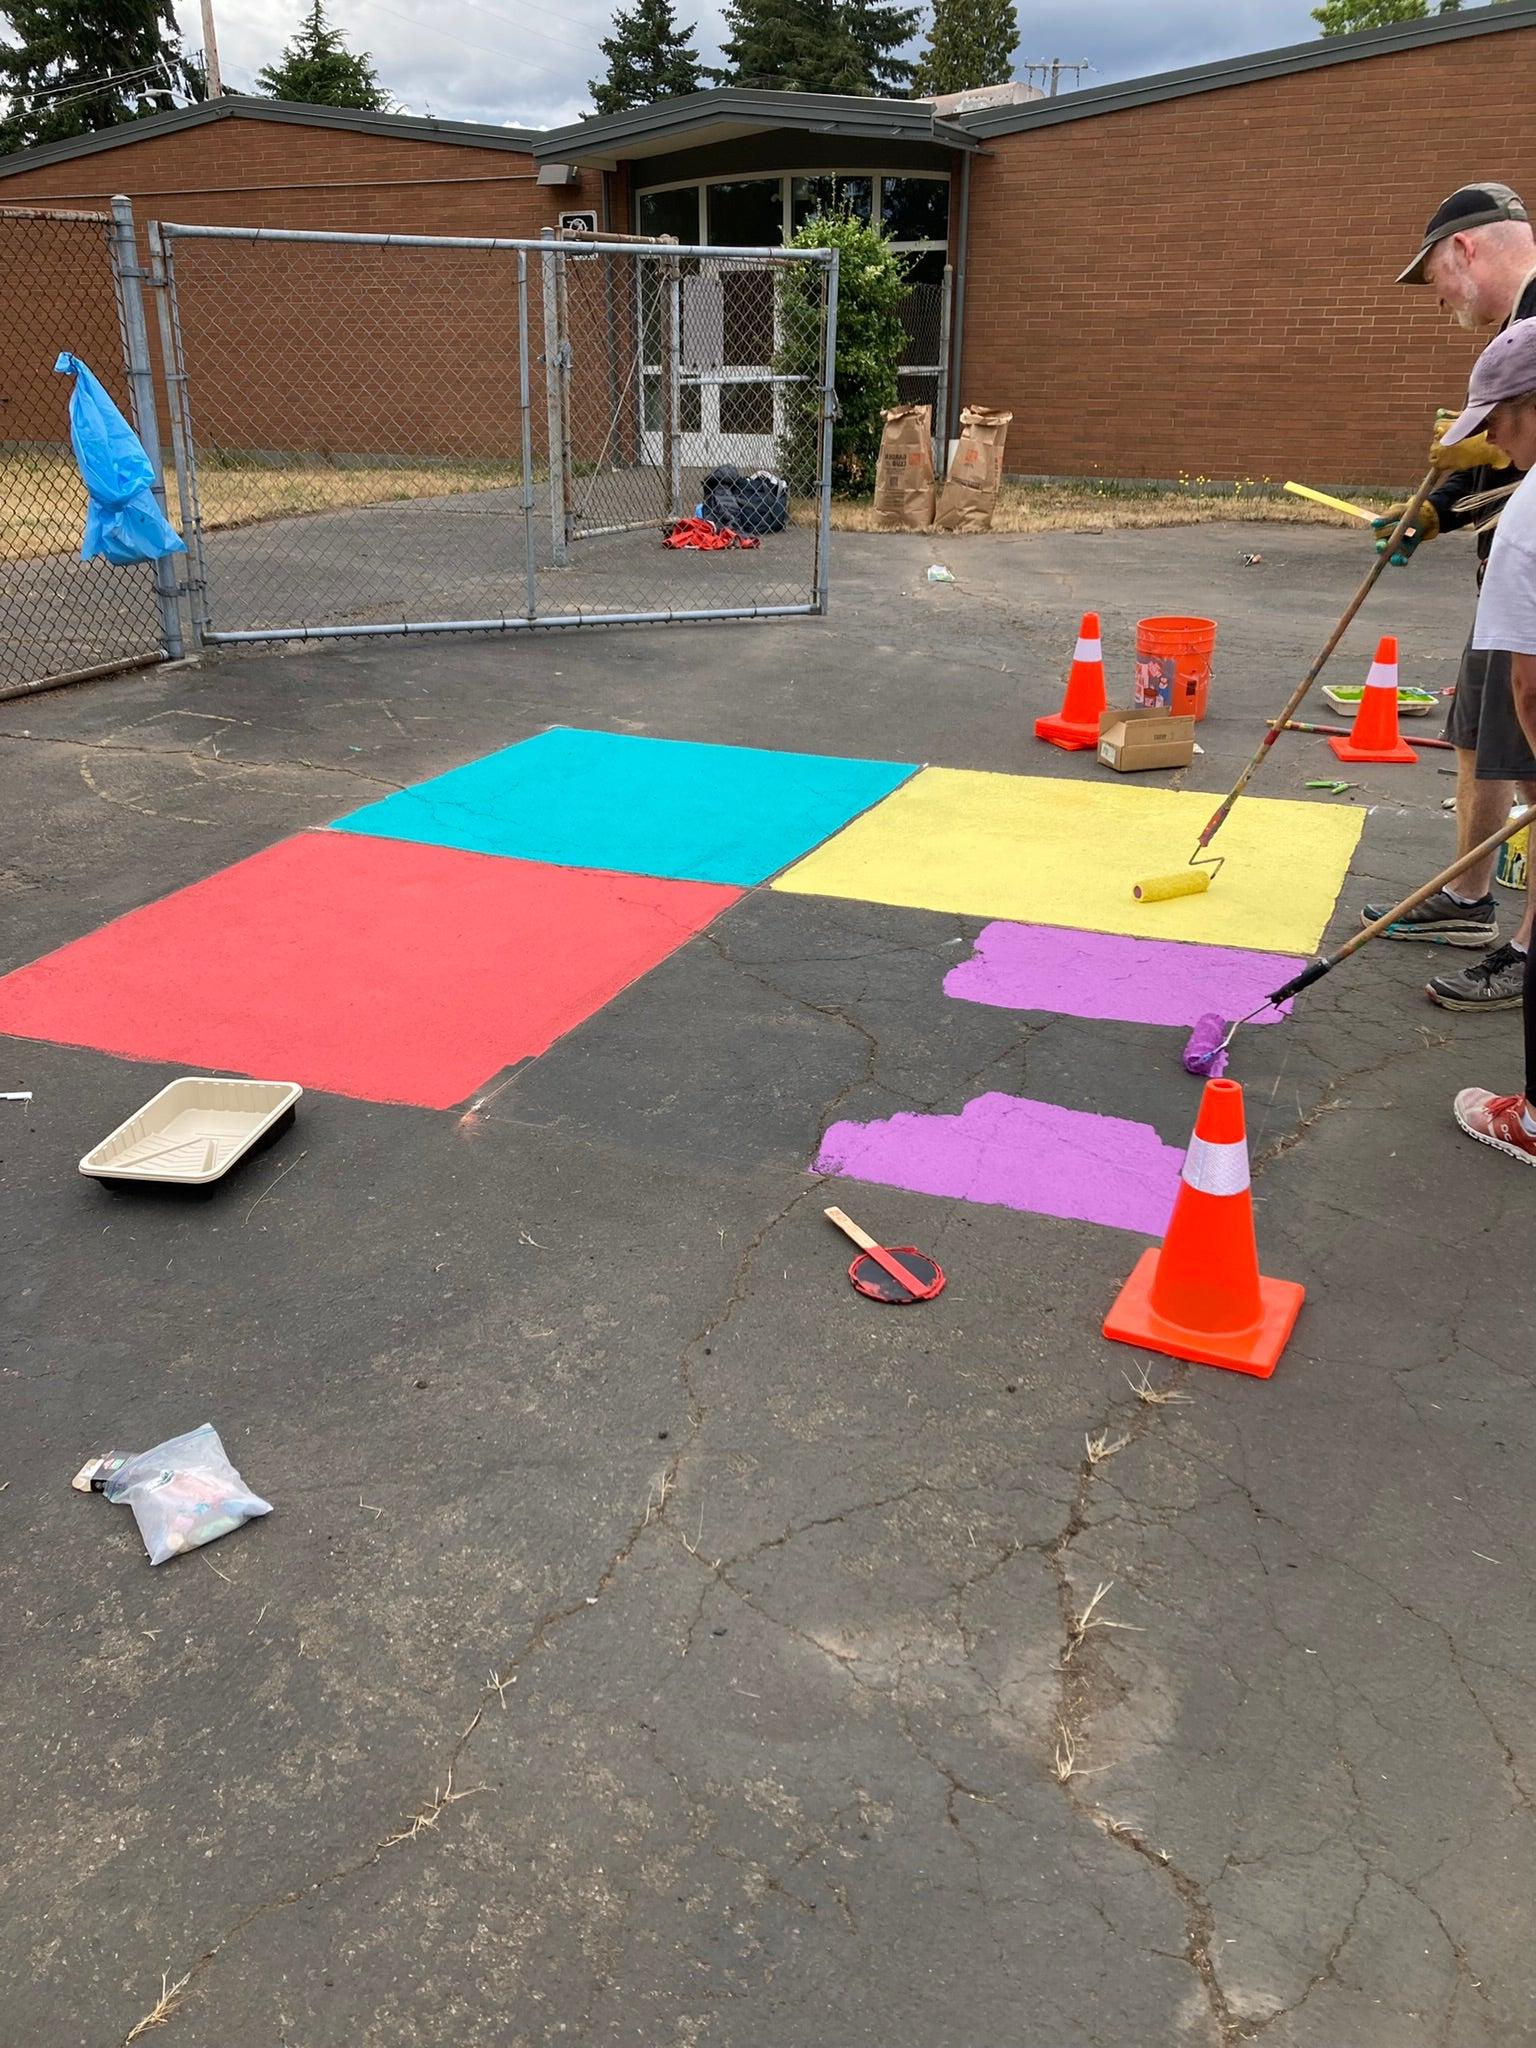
[(1044, 851)]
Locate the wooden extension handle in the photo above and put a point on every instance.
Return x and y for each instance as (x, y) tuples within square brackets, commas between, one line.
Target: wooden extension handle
[(849, 1228), (1276, 725)]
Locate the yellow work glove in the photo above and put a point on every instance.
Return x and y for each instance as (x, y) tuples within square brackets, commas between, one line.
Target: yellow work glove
[(1476, 453), (1424, 528)]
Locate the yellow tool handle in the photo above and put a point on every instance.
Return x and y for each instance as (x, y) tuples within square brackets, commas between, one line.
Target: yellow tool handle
[(1333, 504)]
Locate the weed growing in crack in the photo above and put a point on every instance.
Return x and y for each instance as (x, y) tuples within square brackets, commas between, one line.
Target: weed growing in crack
[(1099, 1447), (160, 2012), (1154, 1397), (1082, 1625), (439, 1803)]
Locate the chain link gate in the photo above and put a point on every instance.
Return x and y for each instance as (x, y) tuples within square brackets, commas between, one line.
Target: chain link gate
[(69, 281), (388, 434)]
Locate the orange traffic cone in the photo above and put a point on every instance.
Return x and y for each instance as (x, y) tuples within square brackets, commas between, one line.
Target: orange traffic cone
[(1202, 1295), (1076, 725), (1375, 736)]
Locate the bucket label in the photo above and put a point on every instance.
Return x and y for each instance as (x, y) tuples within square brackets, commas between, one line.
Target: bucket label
[(1155, 676)]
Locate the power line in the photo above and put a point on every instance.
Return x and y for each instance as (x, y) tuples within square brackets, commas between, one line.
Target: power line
[(433, 28)]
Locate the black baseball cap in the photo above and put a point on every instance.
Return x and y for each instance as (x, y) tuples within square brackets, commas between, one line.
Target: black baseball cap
[(1470, 206)]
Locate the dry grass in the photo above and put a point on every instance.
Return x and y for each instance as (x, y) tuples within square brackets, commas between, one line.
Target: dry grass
[(1080, 1626), (1102, 507), (160, 2012), (42, 501), (1154, 1397)]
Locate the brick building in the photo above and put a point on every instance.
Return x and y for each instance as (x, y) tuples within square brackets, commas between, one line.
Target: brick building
[(1187, 274)]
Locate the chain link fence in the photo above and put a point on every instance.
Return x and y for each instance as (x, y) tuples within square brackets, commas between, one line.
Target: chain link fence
[(387, 434), (923, 376), (62, 287)]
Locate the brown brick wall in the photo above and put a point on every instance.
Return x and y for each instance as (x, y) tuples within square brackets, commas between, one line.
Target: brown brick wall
[(249, 172), (334, 350), (1204, 286)]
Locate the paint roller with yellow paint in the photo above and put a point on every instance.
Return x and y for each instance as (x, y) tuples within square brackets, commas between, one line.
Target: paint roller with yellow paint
[(1201, 872)]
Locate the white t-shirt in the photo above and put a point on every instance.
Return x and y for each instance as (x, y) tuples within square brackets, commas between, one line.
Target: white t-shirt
[(1506, 606)]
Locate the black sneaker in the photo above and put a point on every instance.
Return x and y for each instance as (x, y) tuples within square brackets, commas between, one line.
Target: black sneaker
[(1442, 920), (1496, 982)]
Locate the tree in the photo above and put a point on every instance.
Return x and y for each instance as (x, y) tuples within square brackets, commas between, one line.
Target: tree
[(841, 46), (970, 43), (871, 341), (649, 58), (79, 65), (1343, 17), (317, 67), (880, 28)]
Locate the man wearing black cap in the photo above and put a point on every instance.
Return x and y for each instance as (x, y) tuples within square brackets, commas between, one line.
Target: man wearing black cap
[(1479, 256)]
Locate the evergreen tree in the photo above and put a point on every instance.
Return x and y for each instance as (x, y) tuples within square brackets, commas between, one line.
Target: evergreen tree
[(317, 67), (649, 58), (970, 43), (841, 46), (1343, 17), (79, 65), (879, 29)]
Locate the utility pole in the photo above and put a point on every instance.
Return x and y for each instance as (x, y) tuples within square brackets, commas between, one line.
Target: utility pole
[(211, 53)]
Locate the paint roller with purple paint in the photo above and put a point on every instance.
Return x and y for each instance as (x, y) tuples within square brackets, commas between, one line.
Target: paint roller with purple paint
[(1206, 1052)]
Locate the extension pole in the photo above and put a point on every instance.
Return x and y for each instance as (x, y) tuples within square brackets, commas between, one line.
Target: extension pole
[(1161, 887)]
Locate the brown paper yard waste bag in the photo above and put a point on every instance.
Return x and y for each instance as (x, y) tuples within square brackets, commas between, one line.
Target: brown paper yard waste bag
[(969, 496), (904, 479)]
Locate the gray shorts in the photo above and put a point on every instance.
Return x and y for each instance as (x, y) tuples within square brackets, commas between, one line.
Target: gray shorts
[(1483, 721)]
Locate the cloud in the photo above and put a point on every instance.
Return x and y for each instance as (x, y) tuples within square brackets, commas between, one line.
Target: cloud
[(527, 64)]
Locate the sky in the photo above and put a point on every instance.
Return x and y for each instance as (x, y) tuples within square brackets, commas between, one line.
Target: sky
[(525, 63)]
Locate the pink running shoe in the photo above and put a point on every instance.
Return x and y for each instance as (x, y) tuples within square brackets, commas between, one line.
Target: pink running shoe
[(1495, 1120)]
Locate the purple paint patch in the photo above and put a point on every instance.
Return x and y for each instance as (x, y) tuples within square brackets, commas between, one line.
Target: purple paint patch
[(1100, 974), (1019, 1154)]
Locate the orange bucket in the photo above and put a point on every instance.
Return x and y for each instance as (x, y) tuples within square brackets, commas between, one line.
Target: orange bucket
[(1173, 664)]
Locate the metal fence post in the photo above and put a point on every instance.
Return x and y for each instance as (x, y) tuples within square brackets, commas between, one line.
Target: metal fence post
[(525, 404), (828, 421), (127, 276), (163, 280), (553, 405), (674, 387)]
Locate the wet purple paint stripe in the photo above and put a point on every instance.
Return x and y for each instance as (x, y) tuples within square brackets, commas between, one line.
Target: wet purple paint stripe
[(1102, 974), (1019, 1154)]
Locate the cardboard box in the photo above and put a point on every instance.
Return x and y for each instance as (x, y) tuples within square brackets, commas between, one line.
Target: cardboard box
[(1145, 738)]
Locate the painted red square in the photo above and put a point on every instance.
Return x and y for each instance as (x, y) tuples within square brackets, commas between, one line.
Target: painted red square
[(369, 967)]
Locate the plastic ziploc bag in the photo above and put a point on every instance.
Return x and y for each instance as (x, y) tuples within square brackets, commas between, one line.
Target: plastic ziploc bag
[(122, 520), (183, 1493)]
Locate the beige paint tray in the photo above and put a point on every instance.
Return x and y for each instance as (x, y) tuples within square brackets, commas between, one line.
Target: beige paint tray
[(192, 1131)]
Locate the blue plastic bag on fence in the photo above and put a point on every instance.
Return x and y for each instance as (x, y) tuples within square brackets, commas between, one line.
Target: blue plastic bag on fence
[(122, 520)]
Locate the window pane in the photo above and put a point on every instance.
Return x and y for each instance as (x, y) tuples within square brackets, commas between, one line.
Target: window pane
[(748, 213), (811, 196), (924, 266), (690, 407), (671, 213), (746, 408), (748, 321), (915, 209)]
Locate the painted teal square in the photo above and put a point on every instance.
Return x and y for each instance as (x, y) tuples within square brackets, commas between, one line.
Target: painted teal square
[(670, 808)]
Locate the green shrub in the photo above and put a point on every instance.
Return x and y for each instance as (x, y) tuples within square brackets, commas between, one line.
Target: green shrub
[(871, 339)]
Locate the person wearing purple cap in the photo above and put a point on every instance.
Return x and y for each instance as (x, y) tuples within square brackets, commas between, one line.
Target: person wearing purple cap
[(1479, 257), (1501, 404)]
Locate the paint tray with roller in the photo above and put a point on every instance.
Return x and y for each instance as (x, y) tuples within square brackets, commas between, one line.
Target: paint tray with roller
[(193, 1131), (1411, 703)]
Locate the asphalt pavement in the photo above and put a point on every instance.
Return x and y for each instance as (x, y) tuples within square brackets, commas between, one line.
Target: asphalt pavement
[(656, 1644)]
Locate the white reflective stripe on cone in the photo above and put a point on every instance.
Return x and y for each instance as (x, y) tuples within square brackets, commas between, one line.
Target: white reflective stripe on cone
[(1216, 1169), (1089, 650), (1381, 677)]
